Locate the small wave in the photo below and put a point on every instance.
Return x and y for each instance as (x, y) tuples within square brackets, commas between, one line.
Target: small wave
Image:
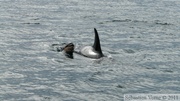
[(168, 71), (129, 51), (120, 86), (137, 21), (161, 23), (126, 20), (9, 74), (57, 47), (30, 23)]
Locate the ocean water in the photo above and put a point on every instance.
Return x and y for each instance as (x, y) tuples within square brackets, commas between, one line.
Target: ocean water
[(140, 38)]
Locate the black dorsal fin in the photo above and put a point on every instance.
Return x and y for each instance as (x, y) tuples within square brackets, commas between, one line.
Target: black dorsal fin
[(97, 45)]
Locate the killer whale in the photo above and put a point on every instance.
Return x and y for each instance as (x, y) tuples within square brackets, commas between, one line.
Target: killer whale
[(92, 51)]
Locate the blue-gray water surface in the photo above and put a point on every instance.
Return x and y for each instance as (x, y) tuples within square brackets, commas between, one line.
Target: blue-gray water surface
[(140, 39)]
